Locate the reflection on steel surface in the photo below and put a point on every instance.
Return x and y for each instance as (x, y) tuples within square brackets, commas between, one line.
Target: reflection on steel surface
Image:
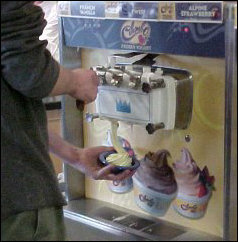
[(163, 230), (145, 227), (135, 222)]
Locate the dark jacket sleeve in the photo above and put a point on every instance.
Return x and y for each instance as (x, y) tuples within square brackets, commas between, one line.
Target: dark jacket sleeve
[(27, 66)]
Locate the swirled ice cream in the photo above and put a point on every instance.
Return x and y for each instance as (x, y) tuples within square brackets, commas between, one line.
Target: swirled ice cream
[(155, 173), (121, 158), (187, 175)]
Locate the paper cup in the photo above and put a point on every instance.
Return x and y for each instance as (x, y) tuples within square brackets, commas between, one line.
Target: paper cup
[(120, 186), (191, 206), (151, 201)]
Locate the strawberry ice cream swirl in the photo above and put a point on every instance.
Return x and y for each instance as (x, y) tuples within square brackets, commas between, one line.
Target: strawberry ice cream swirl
[(187, 174)]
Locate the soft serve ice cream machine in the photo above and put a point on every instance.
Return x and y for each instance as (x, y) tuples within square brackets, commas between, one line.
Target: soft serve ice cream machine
[(153, 96), (169, 69)]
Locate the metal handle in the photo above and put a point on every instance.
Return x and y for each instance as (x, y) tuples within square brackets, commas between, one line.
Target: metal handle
[(91, 116)]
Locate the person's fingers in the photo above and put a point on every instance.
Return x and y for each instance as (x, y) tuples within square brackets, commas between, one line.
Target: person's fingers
[(126, 175), (100, 149), (103, 172), (91, 97), (94, 78), (132, 173), (122, 176), (111, 177)]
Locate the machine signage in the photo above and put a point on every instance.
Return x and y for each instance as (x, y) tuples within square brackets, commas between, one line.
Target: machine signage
[(191, 11), (144, 36), (88, 9), (199, 11)]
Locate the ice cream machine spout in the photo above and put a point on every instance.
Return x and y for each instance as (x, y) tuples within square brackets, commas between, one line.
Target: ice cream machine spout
[(155, 97)]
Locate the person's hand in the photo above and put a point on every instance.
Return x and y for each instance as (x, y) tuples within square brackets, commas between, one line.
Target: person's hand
[(85, 160), (80, 84), (88, 163), (85, 85)]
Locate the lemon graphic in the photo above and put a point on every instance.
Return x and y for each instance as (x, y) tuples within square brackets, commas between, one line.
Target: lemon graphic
[(209, 103)]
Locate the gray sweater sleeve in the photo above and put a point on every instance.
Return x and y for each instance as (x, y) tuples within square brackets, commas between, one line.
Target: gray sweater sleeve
[(27, 66)]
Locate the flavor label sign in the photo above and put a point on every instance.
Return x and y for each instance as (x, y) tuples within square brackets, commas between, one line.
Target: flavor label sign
[(64, 8), (208, 12), (144, 36), (131, 10), (88, 9), (167, 11), (200, 11), (139, 10), (112, 9)]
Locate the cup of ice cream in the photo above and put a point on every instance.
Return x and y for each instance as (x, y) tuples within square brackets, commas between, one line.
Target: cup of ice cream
[(123, 157), (194, 187), (122, 162), (154, 183), (122, 146)]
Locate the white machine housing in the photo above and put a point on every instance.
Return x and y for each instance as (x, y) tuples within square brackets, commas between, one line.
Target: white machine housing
[(161, 105), (138, 107)]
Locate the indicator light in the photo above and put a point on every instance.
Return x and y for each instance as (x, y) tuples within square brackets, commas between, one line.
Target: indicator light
[(186, 29)]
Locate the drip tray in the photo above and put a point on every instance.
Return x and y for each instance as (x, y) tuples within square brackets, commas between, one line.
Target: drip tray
[(90, 219), (150, 229), (108, 213), (134, 222), (162, 230)]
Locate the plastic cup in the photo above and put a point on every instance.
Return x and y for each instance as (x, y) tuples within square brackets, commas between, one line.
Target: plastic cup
[(151, 201), (121, 186), (191, 206)]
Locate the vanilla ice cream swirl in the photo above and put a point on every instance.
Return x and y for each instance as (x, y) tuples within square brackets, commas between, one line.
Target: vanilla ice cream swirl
[(121, 158)]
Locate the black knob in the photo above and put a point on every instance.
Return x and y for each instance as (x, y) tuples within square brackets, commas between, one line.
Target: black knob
[(146, 87), (150, 128)]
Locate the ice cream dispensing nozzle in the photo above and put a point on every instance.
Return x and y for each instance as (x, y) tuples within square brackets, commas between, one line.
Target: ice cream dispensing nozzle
[(155, 97)]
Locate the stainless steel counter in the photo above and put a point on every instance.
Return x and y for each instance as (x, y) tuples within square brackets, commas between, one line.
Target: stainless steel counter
[(92, 220)]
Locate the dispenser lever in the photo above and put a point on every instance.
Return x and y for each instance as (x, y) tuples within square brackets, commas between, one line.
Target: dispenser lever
[(151, 128), (91, 116), (158, 83)]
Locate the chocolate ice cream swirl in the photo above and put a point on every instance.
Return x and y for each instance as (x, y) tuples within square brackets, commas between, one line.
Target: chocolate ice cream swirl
[(155, 173)]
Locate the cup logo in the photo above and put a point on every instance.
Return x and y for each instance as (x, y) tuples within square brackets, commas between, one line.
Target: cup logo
[(119, 183), (116, 183), (135, 32), (145, 199)]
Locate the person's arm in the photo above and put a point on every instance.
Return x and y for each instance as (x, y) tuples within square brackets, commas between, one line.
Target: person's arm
[(84, 160), (28, 67), (78, 83)]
